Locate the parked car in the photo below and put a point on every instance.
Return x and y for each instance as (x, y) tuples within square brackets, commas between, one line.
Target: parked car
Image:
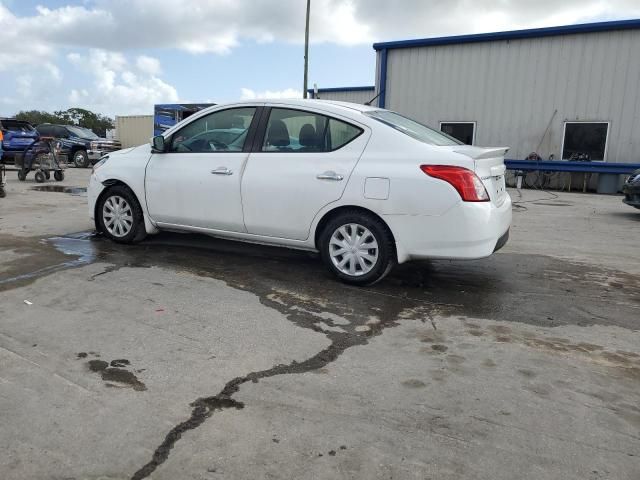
[(16, 136), (80, 145), (631, 190), (366, 187)]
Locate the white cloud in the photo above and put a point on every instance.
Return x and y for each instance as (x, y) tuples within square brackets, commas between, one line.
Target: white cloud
[(148, 65), (217, 26), (116, 88), (248, 94)]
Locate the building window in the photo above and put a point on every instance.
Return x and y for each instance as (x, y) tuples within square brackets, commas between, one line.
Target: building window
[(585, 140), (463, 131)]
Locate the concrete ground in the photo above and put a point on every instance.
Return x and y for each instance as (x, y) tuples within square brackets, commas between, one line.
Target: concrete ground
[(186, 357)]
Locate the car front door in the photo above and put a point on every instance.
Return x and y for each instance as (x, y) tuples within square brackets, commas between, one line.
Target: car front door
[(196, 181), (302, 164)]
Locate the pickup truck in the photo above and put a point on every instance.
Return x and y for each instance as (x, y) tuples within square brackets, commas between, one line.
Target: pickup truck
[(80, 145)]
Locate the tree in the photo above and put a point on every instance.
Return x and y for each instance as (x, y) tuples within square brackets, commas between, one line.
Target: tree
[(87, 119), (74, 116), (36, 117)]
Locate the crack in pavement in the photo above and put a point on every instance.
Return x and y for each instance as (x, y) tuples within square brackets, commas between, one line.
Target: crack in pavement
[(287, 303)]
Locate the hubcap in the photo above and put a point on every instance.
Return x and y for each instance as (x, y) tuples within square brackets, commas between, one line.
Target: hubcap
[(78, 159), (353, 249), (117, 216)]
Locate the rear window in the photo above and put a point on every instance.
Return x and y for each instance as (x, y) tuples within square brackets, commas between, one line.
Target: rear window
[(412, 128), (16, 126)]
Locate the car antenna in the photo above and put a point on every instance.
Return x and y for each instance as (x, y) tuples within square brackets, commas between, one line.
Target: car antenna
[(371, 101)]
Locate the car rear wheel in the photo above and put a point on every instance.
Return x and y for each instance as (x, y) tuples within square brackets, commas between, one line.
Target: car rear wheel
[(81, 159), (357, 247), (119, 216)]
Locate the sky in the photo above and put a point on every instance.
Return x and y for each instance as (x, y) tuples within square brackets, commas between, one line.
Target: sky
[(120, 57)]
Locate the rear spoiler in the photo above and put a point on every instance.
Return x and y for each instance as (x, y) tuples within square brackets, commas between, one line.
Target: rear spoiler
[(479, 153)]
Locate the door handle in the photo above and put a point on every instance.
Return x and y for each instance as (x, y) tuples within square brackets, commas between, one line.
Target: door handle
[(222, 171), (330, 176)]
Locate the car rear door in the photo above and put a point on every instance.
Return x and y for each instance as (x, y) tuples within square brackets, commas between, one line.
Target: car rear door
[(196, 182), (301, 163)]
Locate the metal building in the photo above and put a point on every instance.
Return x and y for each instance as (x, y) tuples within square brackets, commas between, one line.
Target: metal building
[(133, 130), (360, 95), (569, 92)]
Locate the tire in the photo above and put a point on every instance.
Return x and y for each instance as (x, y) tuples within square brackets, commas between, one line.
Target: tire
[(47, 174), (111, 201), (22, 176), (58, 175), (368, 266), (80, 159), (2, 192), (40, 177)]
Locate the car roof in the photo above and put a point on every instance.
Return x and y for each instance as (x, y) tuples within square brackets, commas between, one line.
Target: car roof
[(331, 105)]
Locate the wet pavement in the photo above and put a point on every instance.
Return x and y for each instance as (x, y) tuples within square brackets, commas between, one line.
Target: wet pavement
[(192, 357)]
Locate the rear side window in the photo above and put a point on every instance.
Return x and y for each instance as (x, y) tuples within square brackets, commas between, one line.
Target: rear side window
[(413, 129), (45, 130), (60, 132), (301, 131), (14, 126)]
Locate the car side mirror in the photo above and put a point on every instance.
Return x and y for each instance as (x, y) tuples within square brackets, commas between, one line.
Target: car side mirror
[(157, 144)]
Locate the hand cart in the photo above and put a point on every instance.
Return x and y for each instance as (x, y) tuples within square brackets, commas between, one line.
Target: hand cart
[(42, 158)]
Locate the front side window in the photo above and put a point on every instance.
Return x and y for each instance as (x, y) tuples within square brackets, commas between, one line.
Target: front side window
[(413, 129), (585, 140), (300, 131), (223, 131)]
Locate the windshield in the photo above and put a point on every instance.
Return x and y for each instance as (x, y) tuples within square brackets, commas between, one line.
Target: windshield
[(83, 133), (412, 128)]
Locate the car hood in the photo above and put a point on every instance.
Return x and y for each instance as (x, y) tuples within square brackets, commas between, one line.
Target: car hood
[(139, 148)]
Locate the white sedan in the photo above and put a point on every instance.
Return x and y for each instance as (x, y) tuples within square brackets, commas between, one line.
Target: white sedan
[(366, 187)]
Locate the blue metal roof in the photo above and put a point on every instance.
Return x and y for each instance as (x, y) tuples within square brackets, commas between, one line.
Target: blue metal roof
[(513, 34), (343, 89)]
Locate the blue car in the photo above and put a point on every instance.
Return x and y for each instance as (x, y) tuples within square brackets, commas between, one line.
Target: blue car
[(16, 136)]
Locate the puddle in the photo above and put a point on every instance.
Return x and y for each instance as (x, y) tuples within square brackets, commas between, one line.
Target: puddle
[(76, 191), (114, 374), (49, 256)]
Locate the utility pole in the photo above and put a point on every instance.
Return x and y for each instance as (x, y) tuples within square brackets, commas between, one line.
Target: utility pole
[(306, 51)]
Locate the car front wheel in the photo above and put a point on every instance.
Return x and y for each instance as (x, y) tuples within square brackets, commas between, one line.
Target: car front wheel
[(357, 247), (120, 216)]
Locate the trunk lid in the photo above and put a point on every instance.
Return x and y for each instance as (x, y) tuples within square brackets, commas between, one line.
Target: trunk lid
[(489, 166)]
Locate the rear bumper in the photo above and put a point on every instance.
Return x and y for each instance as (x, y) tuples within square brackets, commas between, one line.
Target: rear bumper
[(466, 231)]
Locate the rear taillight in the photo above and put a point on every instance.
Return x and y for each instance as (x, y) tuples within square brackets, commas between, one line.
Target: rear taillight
[(466, 182)]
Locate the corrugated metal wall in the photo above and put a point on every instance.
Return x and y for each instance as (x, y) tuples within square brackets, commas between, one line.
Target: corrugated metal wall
[(134, 130), (512, 88), (360, 96)]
